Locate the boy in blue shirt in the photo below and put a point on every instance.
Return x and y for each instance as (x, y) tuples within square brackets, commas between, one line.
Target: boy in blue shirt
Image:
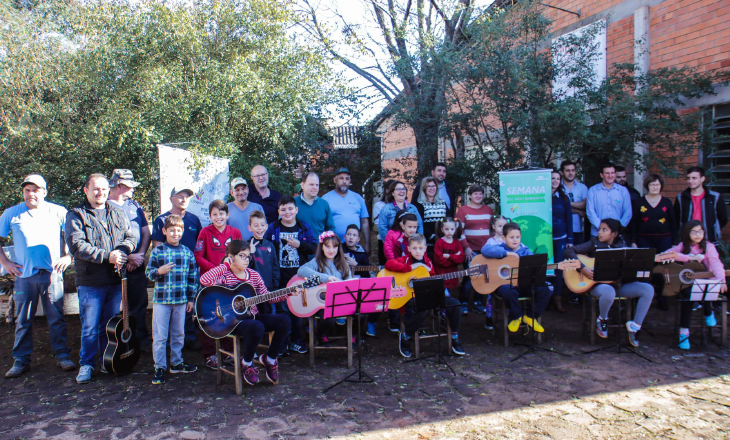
[(172, 267), (513, 246)]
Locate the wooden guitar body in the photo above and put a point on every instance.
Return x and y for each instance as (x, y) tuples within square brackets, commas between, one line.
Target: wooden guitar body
[(502, 270), (678, 275), (307, 303), (404, 280), (122, 353), (579, 283)]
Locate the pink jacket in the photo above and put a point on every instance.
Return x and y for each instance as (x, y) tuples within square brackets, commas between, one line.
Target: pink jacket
[(394, 244), (712, 258)]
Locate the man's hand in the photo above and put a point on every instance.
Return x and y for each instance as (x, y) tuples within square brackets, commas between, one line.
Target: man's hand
[(468, 253), (62, 263), (134, 261), (117, 258), (189, 307), (587, 272), (13, 268), (165, 269)]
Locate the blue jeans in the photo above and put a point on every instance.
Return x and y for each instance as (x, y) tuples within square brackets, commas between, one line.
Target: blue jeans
[(168, 323), (97, 305), (28, 291)]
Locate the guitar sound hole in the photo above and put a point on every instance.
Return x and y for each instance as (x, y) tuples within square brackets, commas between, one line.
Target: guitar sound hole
[(126, 335), (322, 295), (504, 272)]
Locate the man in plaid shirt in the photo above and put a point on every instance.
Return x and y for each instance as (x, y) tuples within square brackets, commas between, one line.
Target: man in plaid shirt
[(172, 267)]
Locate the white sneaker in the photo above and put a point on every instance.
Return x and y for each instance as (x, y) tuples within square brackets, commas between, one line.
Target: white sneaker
[(84, 375)]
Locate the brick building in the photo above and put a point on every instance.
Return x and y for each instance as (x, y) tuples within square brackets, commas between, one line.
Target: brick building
[(651, 33)]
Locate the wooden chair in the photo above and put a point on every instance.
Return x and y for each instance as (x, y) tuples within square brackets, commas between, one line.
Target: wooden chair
[(524, 300), (237, 371), (347, 347), (700, 324), (435, 332), (590, 326)]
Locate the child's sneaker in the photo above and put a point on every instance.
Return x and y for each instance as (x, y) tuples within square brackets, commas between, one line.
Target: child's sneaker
[(464, 309), (272, 371), (182, 367), (299, 347), (532, 322), (404, 345), (250, 374), (341, 321), (489, 323), (456, 347), (478, 307), (711, 321), (324, 341), (602, 327), (371, 330), (212, 362), (393, 327), (514, 325), (684, 341), (159, 376), (228, 360)]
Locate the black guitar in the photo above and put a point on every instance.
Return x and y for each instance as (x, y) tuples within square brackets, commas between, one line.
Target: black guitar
[(219, 309), (122, 353)]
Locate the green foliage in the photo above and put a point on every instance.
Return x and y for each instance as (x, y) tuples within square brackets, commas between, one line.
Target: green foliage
[(95, 86)]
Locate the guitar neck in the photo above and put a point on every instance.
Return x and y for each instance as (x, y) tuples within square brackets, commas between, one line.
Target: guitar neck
[(366, 268), (448, 276), (258, 299), (704, 275), (125, 303)]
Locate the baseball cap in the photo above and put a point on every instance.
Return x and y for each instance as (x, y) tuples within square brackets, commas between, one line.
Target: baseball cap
[(342, 170), (238, 181), (35, 179), (178, 190), (123, 176)]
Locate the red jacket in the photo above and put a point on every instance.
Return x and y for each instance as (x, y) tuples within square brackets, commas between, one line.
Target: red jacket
[(451, 264), (395, 245), (210, 249), (403, 264)]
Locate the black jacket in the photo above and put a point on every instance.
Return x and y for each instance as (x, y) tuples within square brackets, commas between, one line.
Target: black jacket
[(714, 213), (450, 210), (90, 243)]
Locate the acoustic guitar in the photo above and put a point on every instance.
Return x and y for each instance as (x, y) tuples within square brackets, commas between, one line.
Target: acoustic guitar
[(502, 270), (680, 275), (219, 309), (579, 283), (363, 269), (122, 353), (405, 280)]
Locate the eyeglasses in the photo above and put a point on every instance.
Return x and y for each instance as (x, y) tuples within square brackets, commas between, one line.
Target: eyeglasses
[(244, 257), (431, 187), (259, 176), (697, 233), (399, 189)]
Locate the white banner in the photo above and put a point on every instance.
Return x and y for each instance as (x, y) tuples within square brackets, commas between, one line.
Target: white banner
[(177, 170), (562, 56)]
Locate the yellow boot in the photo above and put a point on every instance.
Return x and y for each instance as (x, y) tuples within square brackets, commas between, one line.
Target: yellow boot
[(533, 323), (514, 325)]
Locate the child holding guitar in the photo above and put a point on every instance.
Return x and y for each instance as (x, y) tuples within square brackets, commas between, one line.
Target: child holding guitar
[(395, 246), (695, 247), (496, 238), (512, 245), (416, 256), (330, 265), (609, 238), (448, 253), (232, 272)]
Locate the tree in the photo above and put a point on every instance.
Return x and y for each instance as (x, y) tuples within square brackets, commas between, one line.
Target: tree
[(94, 86), (418, 38)]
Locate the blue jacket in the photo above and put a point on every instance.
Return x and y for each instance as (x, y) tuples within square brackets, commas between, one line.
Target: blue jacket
[(387, 217), (562, 218), (500, 250)]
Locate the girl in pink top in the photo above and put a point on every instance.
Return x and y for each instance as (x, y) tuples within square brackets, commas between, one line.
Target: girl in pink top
[(396, 240), (695, 247)]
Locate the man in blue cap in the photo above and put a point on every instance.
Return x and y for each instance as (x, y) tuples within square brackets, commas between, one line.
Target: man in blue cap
[(348, 208)]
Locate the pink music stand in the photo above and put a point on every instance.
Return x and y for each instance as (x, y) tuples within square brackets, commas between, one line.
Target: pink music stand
[(343, 297)]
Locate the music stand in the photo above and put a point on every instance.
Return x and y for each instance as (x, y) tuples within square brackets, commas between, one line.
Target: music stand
[(531, 272), (355, 298), (622, 265), (430, 294), (701, 291)]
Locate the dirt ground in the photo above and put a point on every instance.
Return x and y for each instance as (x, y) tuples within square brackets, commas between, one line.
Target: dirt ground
[(601, 395)]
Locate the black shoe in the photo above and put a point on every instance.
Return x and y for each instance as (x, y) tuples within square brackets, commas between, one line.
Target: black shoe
[(456, 347), (489, 323), (404, 345), (394, 327), (182, 367), (17, 370), (159, 377), (299, 347)]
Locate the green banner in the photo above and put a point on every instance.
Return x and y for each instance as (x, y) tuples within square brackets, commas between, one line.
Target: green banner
[(526, 199)]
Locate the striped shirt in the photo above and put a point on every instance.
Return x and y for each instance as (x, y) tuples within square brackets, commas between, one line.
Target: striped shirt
[(180, 284), (476, 223), (223, 276)]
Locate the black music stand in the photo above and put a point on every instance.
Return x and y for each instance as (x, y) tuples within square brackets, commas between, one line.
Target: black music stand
[(622, 265), (430, 294), (704, 290), (531, 272), (356, 298)]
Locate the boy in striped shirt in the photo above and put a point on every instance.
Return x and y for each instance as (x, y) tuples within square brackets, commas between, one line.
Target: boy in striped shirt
[(172, 267)]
